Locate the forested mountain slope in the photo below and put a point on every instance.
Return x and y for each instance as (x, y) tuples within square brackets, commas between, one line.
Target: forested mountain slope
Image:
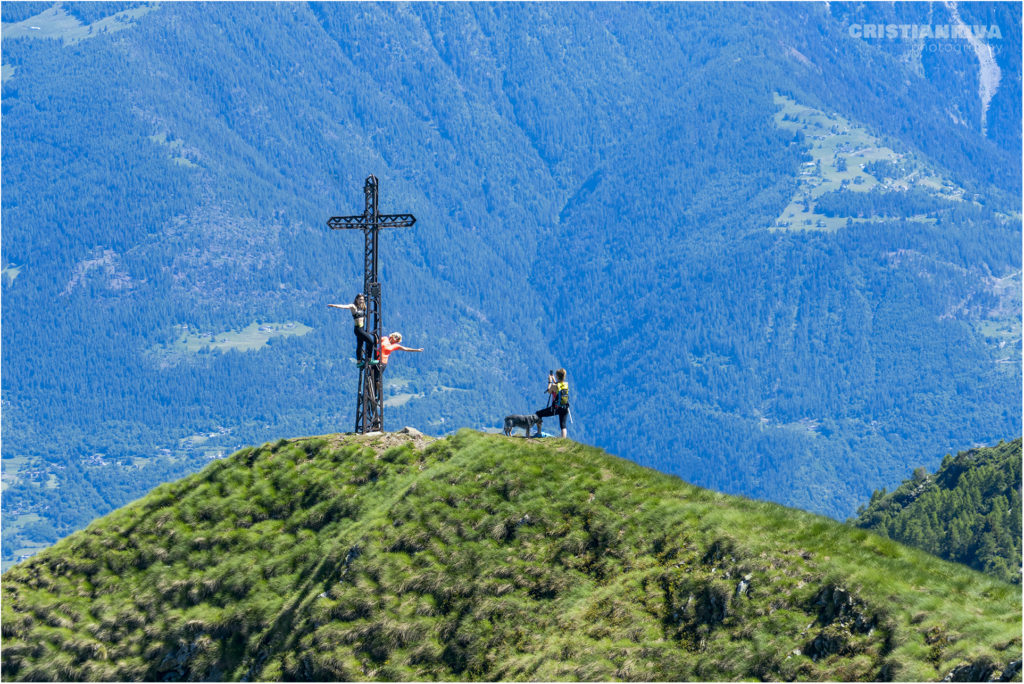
[(969, 511), (479, 557), (598, 187)]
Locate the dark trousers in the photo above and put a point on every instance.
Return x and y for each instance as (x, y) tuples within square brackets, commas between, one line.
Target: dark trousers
[(363, 338), (559, 411)]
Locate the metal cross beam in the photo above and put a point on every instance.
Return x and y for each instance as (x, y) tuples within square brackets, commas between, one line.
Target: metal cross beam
[(370, 393)]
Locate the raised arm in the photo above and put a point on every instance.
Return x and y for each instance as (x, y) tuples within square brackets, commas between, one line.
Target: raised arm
[(350, 307), (408, 349)]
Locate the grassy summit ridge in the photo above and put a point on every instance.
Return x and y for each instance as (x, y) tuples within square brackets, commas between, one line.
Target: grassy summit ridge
[(483, 557)]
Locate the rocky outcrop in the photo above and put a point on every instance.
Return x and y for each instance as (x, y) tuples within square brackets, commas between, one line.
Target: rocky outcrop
[(842, 616)]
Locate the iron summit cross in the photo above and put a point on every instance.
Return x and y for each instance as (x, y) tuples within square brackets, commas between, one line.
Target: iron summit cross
[(370, 393)]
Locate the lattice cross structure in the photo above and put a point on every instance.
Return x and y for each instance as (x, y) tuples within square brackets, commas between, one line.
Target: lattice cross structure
[(370, 392)]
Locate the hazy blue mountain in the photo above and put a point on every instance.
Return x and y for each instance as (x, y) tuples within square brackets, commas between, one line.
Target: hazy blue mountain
[(601, 187)]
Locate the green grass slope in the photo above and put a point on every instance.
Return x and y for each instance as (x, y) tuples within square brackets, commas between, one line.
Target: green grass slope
[(969, 511), (482, 557)]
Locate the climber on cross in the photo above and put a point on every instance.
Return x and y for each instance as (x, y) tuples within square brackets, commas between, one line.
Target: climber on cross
[(389, 344)]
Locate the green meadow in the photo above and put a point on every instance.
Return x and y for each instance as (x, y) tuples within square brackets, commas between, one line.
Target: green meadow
[(480, 557), (251, 337), (56, 24), (831, 138)]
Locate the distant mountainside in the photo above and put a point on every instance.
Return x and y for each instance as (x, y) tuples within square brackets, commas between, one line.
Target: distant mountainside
[(480, 557), (969, 511), (778, 258)]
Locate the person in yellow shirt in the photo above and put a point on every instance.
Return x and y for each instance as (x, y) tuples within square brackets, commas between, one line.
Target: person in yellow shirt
[(558, 388)]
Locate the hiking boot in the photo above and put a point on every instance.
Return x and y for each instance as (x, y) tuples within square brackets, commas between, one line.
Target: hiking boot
[(360, 363)]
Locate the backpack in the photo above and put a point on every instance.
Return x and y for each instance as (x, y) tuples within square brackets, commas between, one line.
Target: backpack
[(562, 398)]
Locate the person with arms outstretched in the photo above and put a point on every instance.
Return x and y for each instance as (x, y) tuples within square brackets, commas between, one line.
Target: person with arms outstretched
[(363, 337), (389, 344), (558, 388)]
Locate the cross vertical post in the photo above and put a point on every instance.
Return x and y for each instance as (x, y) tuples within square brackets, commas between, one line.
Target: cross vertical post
[(370, 391)]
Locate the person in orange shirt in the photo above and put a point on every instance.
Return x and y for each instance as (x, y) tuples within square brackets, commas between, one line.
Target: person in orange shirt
[(390, 344)]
